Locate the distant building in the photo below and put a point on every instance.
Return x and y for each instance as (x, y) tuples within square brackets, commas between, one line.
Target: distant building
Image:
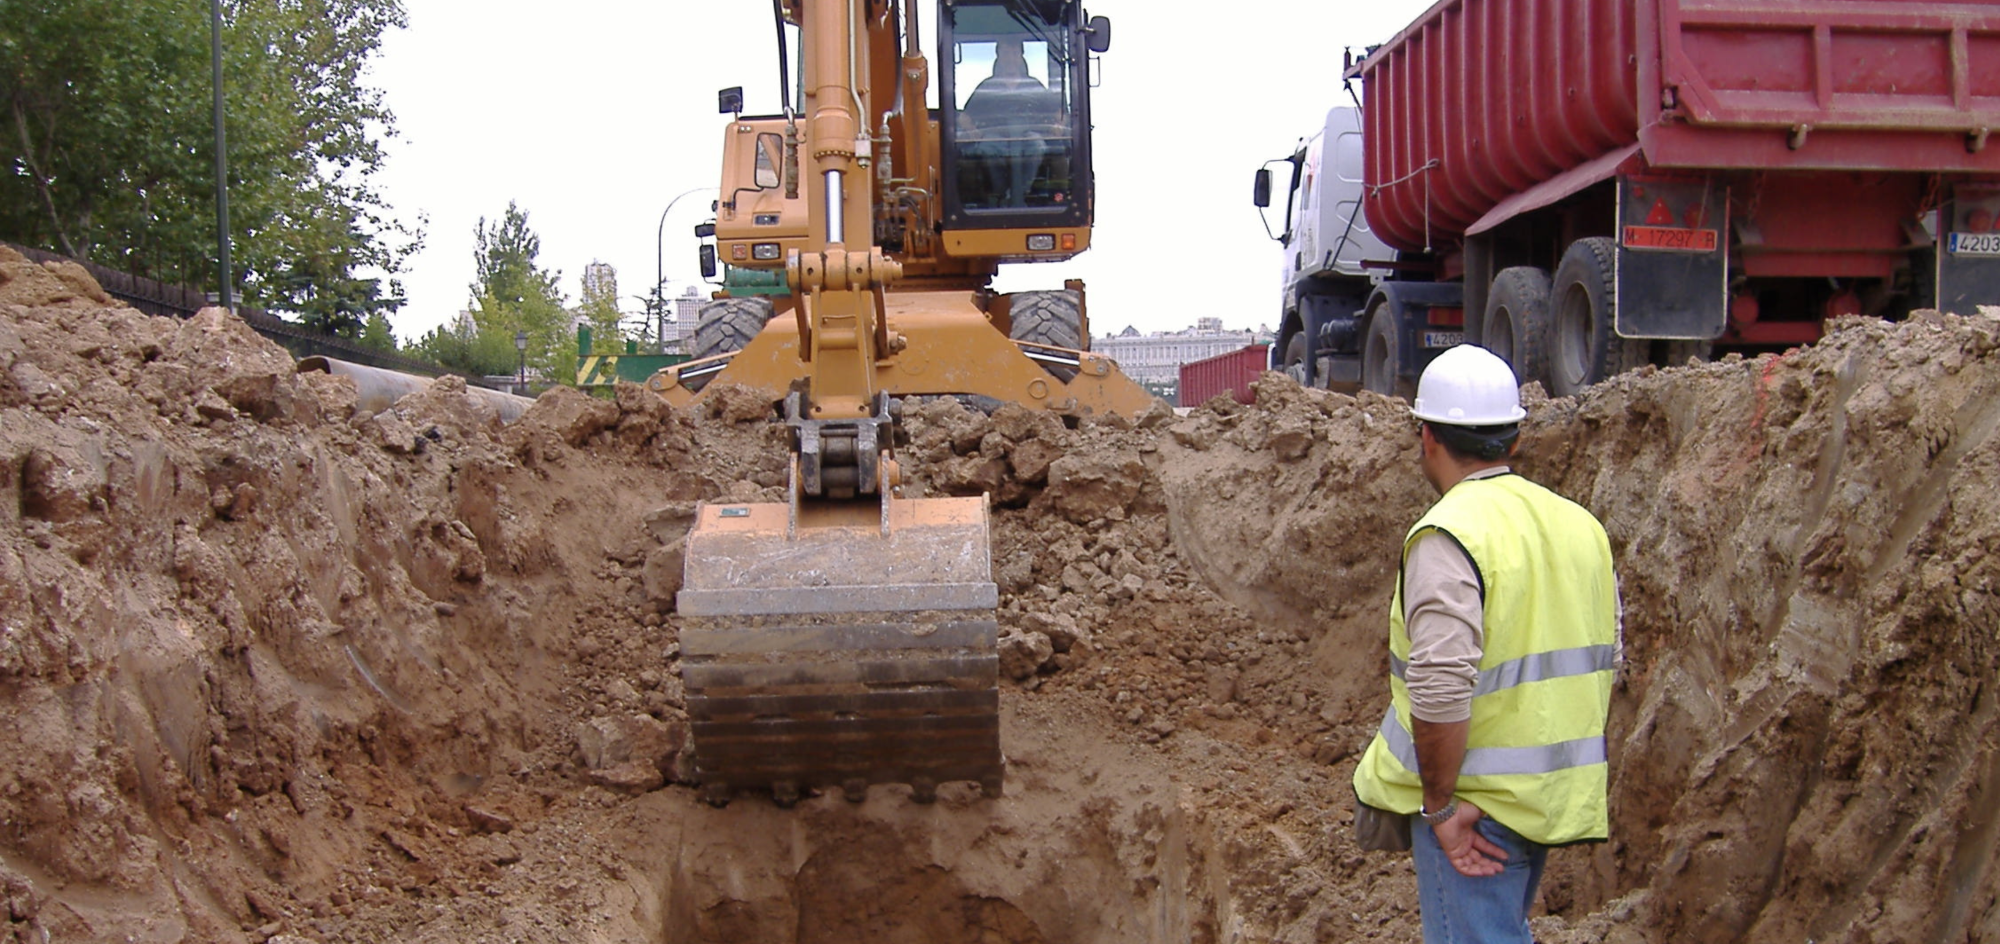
[(600, 280), (684, 312), (1157, 357)]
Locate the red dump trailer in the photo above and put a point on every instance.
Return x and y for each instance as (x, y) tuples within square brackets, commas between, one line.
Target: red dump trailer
[(1588, 185), (1229, 373)]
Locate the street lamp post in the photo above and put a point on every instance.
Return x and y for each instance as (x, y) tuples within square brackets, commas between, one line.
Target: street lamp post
[(521, 372), (660, 269), (221, 162)]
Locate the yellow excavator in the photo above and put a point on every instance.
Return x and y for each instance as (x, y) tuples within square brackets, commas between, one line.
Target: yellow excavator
[(848, 636)]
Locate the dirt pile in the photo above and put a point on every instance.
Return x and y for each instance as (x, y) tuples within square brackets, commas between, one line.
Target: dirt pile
[(276, 670)]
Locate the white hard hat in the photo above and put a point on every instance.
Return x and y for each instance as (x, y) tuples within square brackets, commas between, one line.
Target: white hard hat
[(1468, 385)]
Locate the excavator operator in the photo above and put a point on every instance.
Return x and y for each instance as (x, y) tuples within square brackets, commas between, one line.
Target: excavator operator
[(1004, 123)]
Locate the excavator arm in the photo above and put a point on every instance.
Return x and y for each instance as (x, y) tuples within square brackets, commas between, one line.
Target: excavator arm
[(847, 636)]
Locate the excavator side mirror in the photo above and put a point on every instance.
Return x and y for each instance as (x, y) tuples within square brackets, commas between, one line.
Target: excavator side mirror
[(1097, 35), (1260, 193), (729, 101), (704, 230), (707, 261)]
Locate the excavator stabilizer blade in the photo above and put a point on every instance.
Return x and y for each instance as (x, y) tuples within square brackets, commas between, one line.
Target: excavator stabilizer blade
[(848, 646)]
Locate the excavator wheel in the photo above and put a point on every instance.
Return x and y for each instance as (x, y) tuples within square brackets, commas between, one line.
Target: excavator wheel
[(1054, 318), (728, 324)]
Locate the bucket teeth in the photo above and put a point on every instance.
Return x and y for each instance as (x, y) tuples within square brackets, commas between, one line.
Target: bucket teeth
[(842, 657)]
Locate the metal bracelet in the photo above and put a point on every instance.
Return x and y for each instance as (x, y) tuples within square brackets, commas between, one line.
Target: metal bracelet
[(1438, 818)]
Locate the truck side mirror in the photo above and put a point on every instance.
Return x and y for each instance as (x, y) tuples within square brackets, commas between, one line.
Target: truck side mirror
[(707, 261), (729, 101), (704, 230), (1260, 194), (1097, 35)]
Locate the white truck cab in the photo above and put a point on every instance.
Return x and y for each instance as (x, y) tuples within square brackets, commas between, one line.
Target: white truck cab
[(1327, 245)]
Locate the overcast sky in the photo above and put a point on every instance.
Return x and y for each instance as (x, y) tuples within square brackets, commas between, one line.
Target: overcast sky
[(594, 119)]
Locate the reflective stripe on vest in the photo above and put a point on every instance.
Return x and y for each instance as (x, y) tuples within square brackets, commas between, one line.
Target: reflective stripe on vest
[(1533, 668), (1501, 761)]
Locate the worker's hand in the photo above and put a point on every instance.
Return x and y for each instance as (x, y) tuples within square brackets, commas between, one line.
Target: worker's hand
[(1472, 854)]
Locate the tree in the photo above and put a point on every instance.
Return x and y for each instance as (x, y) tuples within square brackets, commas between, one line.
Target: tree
[(512, 293), (465, 347), (108, 154), (378, 334)]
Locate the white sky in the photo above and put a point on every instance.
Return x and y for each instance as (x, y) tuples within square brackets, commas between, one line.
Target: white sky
[(594, 119)]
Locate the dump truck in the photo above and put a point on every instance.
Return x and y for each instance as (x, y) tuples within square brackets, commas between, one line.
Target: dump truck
[(1585, 186), (847, 636)]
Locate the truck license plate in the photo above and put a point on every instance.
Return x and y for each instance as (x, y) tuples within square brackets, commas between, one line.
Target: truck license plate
[(1443, 338), (1973, 244), (1670, 238)]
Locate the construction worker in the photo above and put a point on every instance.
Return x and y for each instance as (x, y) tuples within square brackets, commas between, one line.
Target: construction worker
[(1503, 637)]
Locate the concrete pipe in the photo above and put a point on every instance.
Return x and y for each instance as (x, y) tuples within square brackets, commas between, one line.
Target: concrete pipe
[(378, 389)]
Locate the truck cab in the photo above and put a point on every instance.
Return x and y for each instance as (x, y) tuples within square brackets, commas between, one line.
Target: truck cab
[(1327, 243)]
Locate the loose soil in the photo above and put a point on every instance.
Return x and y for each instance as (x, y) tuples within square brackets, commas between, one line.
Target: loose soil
[(275, 670)]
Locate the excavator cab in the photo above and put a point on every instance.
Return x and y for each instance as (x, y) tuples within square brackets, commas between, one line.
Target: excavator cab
[(1015, 127)]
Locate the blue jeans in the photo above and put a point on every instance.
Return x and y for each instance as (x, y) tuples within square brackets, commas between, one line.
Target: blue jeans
[(1489, 910)]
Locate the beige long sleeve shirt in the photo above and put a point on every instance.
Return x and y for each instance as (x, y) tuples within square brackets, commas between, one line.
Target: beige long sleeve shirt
[(1444, 615)]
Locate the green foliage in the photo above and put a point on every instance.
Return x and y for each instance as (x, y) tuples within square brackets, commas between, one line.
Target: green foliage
[(108, 145), (378, 334), (465, 347), (513, 294)]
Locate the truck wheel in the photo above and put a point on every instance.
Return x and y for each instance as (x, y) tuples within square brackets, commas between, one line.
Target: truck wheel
[(1516, 324), (1380, 354), (1295, 358), (1054, 318), (1678, 353), (1587, 346), (728, 324)]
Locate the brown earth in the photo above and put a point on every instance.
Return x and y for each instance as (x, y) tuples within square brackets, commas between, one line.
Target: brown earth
[(276, 671)]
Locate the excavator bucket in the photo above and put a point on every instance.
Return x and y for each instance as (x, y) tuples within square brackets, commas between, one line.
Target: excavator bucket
[(841, 645)]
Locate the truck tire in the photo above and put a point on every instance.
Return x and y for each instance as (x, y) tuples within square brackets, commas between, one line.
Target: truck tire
[(1678, 353), (1054, 318), (1381, 354), (1295, 359), (1516, 321), (1583, 308), (729, 324)]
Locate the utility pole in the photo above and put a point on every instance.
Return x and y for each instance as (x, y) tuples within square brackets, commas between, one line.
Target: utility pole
[(221, 158)]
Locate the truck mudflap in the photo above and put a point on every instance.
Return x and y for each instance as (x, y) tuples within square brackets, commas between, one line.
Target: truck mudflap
[(1968, 249), (1673, 258), (841, 645)]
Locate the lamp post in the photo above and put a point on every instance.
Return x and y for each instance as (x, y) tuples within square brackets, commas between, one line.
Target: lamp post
[(221, 161), (660, 268), (521, 372)]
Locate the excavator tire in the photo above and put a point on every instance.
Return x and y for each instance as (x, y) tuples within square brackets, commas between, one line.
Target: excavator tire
[(728, 324), (1054, 318)]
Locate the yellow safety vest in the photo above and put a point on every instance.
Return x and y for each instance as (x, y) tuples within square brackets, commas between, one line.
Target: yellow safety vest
[(1535, 756)]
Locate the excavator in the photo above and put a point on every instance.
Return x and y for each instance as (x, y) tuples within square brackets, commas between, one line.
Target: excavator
[(847, 636)]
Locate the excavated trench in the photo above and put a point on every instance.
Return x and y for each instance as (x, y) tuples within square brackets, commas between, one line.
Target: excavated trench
[(202, 551)]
